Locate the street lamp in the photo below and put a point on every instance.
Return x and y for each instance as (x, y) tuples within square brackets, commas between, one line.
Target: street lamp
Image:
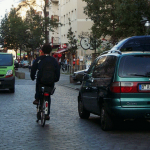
[(147, 25)]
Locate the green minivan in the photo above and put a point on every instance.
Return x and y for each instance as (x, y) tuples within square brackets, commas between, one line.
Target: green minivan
[(116, 87), (7, 72)]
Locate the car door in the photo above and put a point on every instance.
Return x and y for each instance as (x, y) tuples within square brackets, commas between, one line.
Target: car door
[(102, 76), (86, 86), (90, 92), (96, 81)]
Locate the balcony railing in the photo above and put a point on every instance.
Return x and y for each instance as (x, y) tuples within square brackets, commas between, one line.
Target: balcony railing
[(55, 17), (54, 0), (55, 40)]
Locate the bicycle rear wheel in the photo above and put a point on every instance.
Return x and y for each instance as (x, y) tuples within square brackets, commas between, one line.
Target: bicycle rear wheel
[(43, 113), (38, 113)]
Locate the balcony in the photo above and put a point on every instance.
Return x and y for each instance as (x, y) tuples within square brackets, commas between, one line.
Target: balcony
[(55, 17), (55, 1), (55, 40)]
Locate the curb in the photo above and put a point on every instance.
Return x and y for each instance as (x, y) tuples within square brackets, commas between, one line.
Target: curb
[(74, 88), (20, 75)]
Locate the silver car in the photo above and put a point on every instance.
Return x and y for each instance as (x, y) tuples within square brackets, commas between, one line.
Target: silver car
[(25, 64)]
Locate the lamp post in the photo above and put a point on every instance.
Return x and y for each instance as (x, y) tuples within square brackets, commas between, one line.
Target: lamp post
[(147, 25)]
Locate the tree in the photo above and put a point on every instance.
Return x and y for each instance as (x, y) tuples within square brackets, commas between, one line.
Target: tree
[(13, 30), (47, 23), (117, 18), (102, 13), (35, 30), (72, 42), (130, 16)]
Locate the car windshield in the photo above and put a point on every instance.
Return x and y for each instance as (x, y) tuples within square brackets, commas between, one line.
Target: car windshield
[(6, 60), (135, 66)]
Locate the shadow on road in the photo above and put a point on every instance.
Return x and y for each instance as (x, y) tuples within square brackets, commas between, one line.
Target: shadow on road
[(5, 91), (124, 126)]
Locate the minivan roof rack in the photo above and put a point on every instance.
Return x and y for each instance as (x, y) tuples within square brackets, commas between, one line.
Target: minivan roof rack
[(105, 52), (115, 51)]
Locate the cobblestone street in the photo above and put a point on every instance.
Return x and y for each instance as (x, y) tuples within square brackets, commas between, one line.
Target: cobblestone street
[(65, 130)]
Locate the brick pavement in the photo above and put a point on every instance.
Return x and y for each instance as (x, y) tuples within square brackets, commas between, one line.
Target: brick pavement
[(64, 79), (65, 130)]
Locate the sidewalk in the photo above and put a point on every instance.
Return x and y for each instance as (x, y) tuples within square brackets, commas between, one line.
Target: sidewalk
[(64, 79)]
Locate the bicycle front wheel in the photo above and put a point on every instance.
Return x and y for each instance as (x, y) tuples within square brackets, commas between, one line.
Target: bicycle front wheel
[(43, 113)]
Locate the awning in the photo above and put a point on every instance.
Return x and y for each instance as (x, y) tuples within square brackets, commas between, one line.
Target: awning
[(61, 50)]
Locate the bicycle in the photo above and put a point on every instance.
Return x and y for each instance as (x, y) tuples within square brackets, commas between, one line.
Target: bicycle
[(42, 107)]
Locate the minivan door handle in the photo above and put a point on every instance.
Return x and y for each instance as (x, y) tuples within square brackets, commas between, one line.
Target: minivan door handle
[(91, 79)]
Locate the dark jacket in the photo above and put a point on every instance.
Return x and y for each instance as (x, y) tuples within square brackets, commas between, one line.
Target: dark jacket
[(37, 66)]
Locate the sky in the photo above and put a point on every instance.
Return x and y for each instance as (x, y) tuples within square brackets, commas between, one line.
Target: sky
[(6, 5)]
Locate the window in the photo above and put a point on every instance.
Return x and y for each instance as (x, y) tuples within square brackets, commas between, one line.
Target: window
[(135, 65), (75, 14), (105, 67), (67, 18), (6, 60), (138, 44), (90, 70), (72, 17), (64, 20)]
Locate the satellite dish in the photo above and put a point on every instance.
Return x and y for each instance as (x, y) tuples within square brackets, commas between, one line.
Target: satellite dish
[(85, 44)]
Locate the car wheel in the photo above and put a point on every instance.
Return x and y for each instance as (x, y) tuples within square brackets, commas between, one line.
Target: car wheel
[(105, 120), (84, 114), (12, 90)]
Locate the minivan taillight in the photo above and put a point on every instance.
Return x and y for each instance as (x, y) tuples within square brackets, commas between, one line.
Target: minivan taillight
[(124, 87)]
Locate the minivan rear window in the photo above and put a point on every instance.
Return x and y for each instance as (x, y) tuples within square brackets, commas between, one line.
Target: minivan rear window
[(135, 66), (6, 60)]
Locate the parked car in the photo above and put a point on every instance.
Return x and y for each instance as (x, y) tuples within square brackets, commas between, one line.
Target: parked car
[(7, 72), (116, 87), (21, 63), (78, 75), (25, 64)]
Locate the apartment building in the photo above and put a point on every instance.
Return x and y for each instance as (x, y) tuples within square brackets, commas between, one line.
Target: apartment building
[(73, 9), (62, 10)]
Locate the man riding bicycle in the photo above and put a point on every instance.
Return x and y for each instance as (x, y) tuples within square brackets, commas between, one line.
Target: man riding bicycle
[(38, 65)]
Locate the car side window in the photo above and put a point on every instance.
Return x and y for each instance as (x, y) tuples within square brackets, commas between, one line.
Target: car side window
[(105, 67), (90, 70), (98, 66)]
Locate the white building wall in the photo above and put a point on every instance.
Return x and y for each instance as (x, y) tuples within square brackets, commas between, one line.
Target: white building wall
[(54, 11), (73, 9)]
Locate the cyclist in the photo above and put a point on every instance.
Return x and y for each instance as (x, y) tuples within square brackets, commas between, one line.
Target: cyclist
[(37, 67)]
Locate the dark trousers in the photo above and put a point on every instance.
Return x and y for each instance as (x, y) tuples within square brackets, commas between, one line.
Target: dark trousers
[(37, 96)]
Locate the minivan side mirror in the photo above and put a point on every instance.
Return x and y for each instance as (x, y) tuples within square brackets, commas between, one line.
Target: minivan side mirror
[(86, 76)]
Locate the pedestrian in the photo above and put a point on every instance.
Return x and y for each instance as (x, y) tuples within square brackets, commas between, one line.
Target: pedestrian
[(77, 62), (59, 62), (33, 60), (74, 62), (39, 65)]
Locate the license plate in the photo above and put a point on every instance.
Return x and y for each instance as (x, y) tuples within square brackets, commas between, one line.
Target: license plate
[(144, 87)]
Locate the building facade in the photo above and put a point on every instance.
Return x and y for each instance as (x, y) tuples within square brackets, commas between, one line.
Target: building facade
[(73, 10)]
